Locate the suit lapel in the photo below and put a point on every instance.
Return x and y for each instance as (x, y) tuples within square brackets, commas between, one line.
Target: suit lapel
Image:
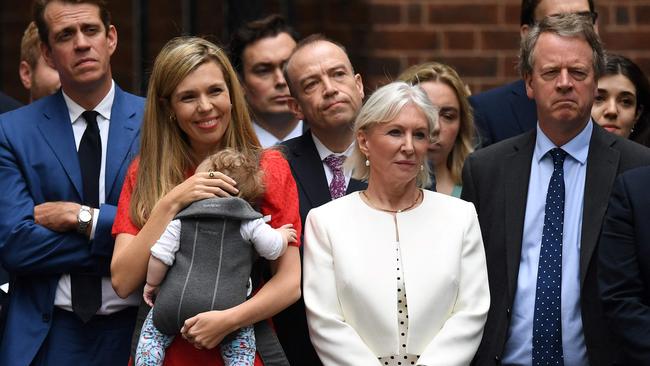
[(516, 170), (56, 128), (123, 129), (308, 169), (602, 166)]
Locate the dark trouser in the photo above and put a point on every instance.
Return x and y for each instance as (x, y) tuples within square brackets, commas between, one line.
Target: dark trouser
[(103, 340)]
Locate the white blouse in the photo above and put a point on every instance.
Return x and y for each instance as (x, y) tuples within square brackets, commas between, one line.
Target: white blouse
[(351, 292)]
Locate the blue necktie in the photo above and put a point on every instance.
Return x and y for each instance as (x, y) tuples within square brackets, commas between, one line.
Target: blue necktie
[(547, 323)]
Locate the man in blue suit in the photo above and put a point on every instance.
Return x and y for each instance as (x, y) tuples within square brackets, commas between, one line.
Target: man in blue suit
[(62, 163), (507, 111)]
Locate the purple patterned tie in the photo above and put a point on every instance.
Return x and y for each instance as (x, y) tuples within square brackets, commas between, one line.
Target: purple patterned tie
[(335, 163)]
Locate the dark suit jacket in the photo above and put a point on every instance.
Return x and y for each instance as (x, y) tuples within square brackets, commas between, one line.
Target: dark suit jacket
[(624, 264), (503, 112), (8, 103), (313, 191), (39, 163), (495, 179)]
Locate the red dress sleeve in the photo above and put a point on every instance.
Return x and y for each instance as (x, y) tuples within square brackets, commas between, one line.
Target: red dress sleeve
[(123, 223), (281, 196), (281, 203)]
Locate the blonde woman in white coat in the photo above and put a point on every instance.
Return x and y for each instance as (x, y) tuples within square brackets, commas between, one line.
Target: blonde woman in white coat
[(395, 275)]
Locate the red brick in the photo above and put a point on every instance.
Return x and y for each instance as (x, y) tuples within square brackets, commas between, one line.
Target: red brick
[(642, 14), (479, 66), (459, 40), (404, 40), (513, 14), (509, 67), (414, 13), (385, 14), (626, 40), (622, 15), (500, 40), (463, 14)]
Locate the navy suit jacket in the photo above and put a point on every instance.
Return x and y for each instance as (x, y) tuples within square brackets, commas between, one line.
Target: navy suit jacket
[(503, 112), (496, 180), (7, 103), (624, 264), (313, 191), (39, 163)]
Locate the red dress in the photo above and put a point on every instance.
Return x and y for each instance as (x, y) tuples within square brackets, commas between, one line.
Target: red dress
[(280, 201)]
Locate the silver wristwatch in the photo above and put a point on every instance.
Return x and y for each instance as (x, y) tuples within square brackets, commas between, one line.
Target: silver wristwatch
[(84, 218)]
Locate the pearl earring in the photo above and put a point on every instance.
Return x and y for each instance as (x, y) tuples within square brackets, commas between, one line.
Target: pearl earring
[(421, 167), (367, 162)]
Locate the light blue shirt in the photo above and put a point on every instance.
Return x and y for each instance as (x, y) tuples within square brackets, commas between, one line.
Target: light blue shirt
[(519, 345)]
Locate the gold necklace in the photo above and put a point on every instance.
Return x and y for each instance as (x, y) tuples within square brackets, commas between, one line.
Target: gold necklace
[(393, 211)]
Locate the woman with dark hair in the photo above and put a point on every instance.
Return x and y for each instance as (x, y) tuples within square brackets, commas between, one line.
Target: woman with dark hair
[(622, 105)]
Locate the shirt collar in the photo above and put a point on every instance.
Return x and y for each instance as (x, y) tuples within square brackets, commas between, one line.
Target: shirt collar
[(577, 147), (324, 152), (103, 108)]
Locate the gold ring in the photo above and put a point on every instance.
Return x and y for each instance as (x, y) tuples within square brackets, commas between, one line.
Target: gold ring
[(211, 174)]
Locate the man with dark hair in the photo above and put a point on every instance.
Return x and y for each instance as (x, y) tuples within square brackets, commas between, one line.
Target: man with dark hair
[(259, 50), (507, 111), (63, 159), (36, 75), (541, 198), (329, 94)]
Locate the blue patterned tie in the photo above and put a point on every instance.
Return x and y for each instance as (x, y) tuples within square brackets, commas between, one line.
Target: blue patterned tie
[(547, 323)]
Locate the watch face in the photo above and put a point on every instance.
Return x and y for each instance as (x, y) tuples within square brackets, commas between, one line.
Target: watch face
[(85, 216)]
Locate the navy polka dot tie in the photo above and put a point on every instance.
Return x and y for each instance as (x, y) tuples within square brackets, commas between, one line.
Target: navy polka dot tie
[(547, 323)]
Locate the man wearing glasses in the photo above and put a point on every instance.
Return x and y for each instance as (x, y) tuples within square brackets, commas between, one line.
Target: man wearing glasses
[(506, 111)]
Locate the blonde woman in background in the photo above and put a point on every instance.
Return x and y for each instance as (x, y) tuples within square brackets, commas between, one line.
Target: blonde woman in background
[(457, 134)]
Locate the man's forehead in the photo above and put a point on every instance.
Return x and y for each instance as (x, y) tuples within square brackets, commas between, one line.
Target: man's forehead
[(576, 50), (59, 15), (270, 48), (319, 55)]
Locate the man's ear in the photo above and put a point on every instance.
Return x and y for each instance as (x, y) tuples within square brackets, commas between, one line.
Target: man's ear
[(295, 107), (46, 51), (25, 73), (528, 80)]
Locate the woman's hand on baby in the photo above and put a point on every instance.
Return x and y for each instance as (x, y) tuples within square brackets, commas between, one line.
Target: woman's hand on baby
[(289, 234), (206, 330), (201, 186), (149, 294)]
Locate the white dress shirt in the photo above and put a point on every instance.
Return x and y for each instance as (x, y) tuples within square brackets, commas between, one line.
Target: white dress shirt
[(267, 139), (110, 301)]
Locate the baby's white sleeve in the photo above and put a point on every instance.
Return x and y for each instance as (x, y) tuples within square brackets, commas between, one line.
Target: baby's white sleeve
[(266, 240), (166, 247)]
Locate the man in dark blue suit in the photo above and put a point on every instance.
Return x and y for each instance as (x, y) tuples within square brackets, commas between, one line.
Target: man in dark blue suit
[(507, 111), (62, 163), (624, 264), (7, 103)]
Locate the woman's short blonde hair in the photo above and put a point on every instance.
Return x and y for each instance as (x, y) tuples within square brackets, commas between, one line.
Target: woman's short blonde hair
[(383, 106), (466, 139), (165, 153)]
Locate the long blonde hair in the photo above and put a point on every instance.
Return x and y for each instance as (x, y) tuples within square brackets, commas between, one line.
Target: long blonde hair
[(165, 154), (464, 144)]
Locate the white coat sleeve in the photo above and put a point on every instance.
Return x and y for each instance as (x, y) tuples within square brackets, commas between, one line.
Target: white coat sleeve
[(459, 338), (335, 341)]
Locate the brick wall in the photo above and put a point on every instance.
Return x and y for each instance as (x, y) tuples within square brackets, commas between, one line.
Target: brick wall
[(478, 37)]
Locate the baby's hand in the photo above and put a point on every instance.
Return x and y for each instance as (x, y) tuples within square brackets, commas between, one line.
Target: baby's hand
[(149, 294), (289, 234)]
